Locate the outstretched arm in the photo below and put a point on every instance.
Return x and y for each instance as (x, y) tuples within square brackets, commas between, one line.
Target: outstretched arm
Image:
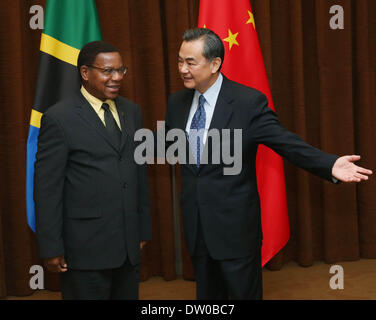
[(346, 171)]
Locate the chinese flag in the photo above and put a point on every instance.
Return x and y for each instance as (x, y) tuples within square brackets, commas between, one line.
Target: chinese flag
[(234, 22)]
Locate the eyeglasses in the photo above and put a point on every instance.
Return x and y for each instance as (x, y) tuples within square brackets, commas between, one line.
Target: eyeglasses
[(111, 71)]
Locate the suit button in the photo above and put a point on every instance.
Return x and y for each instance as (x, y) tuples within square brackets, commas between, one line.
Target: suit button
[(124, 185), (120, 159)]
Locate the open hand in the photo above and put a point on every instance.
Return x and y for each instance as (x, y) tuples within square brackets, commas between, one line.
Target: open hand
[(346, 171)]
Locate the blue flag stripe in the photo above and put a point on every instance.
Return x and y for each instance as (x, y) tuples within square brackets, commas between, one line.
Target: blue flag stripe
[(32, 141)]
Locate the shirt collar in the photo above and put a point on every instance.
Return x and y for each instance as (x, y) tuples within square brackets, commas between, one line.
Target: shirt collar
[(211, 95), (95, 102)]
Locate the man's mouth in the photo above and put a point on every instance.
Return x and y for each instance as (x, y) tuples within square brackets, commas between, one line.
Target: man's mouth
[(113, 88)]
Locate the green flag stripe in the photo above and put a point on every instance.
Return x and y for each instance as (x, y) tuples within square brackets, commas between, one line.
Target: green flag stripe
[(73, 22)]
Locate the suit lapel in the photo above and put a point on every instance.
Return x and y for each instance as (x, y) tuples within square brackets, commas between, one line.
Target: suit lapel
[(186, 107), (124, 122), (88, 114), (223, 108), (222, 114)]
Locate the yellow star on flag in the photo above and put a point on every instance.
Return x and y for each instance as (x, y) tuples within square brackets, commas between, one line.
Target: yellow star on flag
[(231, 39), (251, 19)]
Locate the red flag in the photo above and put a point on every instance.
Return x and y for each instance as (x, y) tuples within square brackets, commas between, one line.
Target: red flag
[(233, 21)]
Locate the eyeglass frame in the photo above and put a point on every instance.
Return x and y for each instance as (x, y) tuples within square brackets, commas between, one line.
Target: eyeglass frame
[(110, 71)]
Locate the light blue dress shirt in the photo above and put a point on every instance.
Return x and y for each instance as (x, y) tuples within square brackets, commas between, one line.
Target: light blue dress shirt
[(211, 96)]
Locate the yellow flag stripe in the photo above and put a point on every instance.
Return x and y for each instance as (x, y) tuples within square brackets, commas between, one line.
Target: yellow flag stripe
[(35, 118), (59, 49)]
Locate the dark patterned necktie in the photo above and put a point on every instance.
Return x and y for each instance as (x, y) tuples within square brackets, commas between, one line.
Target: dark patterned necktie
[(196, 132), (111, 125)]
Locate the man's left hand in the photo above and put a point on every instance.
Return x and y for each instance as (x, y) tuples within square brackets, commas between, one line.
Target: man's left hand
[(346, 171)]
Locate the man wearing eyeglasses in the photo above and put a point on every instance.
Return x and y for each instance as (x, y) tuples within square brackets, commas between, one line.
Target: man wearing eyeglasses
[(91, 198)]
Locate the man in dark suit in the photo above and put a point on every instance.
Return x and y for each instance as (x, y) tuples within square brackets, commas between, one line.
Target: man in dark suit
[(91, 198), (221, 213)]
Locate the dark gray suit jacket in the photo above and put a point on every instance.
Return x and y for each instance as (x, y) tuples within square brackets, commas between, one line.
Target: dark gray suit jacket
[(91, 198), (229, 205)]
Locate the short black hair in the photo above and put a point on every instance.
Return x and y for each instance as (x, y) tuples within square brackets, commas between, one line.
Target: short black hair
[(213, 45), (90, 51)]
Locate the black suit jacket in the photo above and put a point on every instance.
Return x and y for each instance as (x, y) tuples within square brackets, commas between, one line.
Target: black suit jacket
[(228, 205), (91, 198)]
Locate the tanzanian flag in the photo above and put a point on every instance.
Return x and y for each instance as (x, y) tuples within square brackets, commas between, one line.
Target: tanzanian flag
[(68, 26)]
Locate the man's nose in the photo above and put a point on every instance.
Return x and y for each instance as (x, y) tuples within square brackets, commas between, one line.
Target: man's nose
[(183, 68), (117, 76)]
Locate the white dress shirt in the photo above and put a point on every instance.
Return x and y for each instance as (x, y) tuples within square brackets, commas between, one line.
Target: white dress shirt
[(211, 96)]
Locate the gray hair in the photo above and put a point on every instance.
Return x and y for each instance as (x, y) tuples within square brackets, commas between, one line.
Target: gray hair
[(213, 45)]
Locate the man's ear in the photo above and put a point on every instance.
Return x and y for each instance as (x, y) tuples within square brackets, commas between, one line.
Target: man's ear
[(84, 70), (216, 63)]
